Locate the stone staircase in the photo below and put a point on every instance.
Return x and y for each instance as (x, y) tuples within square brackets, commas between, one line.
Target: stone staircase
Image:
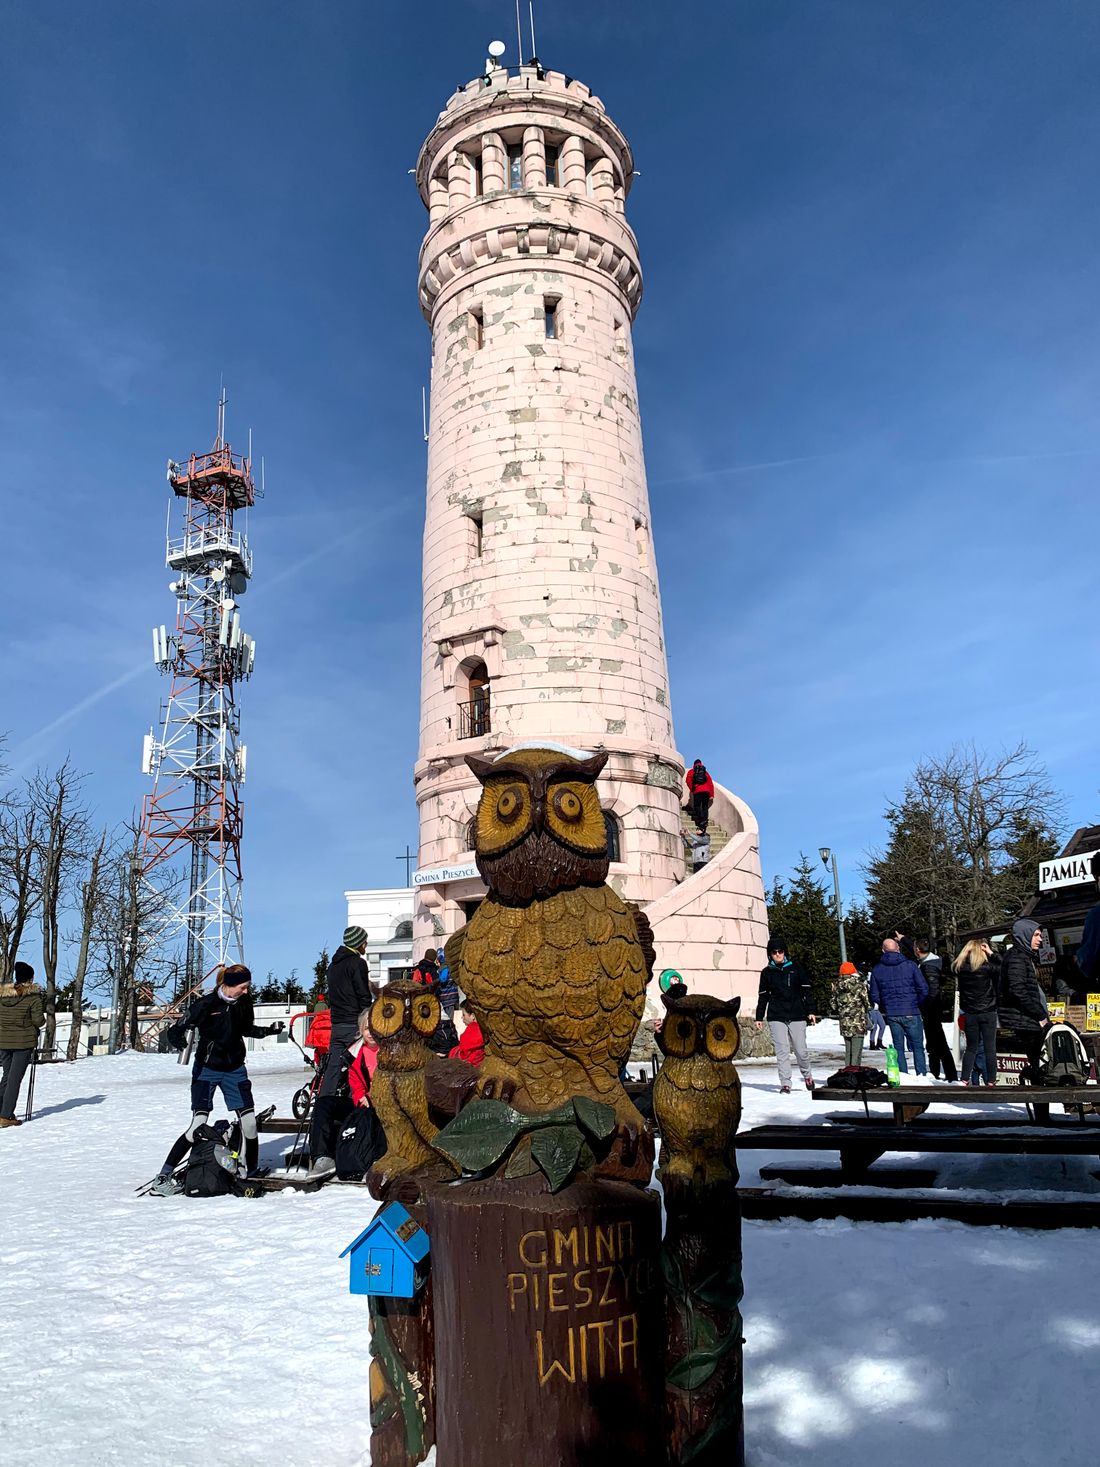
[(719, 838)]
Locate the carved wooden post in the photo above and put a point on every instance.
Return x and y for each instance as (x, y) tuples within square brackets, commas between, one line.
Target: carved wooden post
[(701, 1263), (549, 1324), (402, 1380)]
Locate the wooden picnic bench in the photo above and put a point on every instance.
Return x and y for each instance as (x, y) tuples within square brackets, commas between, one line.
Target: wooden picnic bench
[(860, 1146), (910, 1101)]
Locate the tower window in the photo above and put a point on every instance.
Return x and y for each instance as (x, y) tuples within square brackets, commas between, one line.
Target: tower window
[(641, 541), (515, 165), (477, 185), (589, 186), (550, 315), (553, 165), (473, 710), (477, 328), (614, 836), (476, 521), (620, 335)]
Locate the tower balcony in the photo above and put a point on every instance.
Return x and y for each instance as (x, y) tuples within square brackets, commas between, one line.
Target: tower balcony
[(205, 550), (545, 229), (220, 476)]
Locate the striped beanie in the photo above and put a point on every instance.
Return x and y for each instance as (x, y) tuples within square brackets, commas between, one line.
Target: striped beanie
[(354, 937)]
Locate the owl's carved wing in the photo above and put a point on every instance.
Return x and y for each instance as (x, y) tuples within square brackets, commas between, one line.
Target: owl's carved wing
[(644, 929)]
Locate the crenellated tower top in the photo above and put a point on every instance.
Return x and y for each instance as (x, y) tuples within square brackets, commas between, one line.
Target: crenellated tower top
[(525, 163)]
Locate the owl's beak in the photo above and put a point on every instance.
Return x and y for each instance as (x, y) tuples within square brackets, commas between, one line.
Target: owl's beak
[(538, 814)]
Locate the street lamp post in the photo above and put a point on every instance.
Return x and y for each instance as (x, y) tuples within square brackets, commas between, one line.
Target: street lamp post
[(826, 855)]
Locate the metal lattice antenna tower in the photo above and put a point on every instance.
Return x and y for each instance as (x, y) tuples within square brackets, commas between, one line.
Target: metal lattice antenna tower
[(193, 814)]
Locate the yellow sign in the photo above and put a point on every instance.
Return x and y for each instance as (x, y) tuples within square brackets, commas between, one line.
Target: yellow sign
[(1057, 1012), (1092, 1014)]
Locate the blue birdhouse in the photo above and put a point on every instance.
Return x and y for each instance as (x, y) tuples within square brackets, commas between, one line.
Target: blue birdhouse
[(388, 1256)]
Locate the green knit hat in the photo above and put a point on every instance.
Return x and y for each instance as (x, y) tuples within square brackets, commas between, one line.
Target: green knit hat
[(354, 937)]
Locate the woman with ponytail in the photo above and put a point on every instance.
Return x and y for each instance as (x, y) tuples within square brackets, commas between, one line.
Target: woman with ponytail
[(221, 1020)]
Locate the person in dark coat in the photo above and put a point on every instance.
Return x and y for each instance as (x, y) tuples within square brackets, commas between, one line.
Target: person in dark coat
[(21, 1017), (931, 1012), (427, 970), (899, 988), (1023, 1008), (701, 793), (978, 970), (347, 984), (1087, 956), (221, 1021), (785, 998)]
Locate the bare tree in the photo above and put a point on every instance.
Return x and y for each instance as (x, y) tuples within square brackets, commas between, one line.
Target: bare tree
[(983, 800), (19, 876), (130, 929), (961, 842), (90, 898), (61, 847)]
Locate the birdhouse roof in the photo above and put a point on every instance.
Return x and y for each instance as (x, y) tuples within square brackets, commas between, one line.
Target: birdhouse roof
[(394, 1224)]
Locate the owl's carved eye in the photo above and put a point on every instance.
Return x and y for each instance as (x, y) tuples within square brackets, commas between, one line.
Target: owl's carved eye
[(387, 1016), (425, 1014), (722, 1038), (679, 1036), (567, 805), (510, 804)]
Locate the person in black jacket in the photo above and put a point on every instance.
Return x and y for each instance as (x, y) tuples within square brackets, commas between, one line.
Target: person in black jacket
[(931, 1011), (978, 970), (785, 998), (221, 1021), (348, 987), (1023, 1008)]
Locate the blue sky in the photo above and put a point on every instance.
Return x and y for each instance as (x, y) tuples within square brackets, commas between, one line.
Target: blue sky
[(868, 358)]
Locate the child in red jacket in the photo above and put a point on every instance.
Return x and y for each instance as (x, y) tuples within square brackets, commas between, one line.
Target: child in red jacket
[(471, 1046)]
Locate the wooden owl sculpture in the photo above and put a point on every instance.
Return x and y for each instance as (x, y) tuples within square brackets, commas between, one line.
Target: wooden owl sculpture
[(554, 963), (697, 1093), (402, 1019)]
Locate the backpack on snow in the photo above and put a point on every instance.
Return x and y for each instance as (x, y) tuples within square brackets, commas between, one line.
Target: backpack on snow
[(1063, 1059), (361, 1142), (213, 1167)]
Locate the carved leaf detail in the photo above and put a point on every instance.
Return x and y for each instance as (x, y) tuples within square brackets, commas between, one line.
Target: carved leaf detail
[(556, 1149)]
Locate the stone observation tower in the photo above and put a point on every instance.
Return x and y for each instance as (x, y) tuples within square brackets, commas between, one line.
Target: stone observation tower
[(542, 611)]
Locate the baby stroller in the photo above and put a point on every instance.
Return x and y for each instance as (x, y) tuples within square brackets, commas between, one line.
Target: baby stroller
[(318, 1036)]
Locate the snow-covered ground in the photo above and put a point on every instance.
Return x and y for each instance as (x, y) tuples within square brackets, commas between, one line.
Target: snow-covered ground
[(204, 1333)]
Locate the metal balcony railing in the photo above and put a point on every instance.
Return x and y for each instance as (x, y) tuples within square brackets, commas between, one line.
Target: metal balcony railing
[(474, 721)]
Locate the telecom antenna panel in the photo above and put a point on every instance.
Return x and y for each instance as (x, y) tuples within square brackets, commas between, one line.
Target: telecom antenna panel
[(192, 817)]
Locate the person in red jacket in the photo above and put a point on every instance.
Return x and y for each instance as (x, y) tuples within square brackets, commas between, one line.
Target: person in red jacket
[(701, 789), (471, 1046), (362, 1068)]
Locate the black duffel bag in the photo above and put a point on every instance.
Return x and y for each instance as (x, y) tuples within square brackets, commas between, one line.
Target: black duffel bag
[(361, 1143)]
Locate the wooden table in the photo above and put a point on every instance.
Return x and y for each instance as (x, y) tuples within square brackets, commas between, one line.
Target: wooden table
[(910, 1101)]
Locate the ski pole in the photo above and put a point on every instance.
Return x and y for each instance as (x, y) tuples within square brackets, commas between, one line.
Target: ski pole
[(30, 1086)]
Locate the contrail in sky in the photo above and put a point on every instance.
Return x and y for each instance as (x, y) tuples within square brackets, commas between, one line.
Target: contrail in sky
[(775, 463), (24, 750), (817, 458)]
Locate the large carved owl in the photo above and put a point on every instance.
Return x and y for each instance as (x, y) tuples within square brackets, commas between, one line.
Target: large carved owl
[(402, 1019), (697, 1093), (554, 962)]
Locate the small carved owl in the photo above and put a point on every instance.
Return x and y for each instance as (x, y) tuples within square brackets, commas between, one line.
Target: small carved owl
[(554, 962), (402, 1019), (697, 1093)]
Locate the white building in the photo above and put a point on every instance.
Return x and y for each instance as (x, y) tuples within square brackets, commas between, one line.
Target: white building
[(386, 915)]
